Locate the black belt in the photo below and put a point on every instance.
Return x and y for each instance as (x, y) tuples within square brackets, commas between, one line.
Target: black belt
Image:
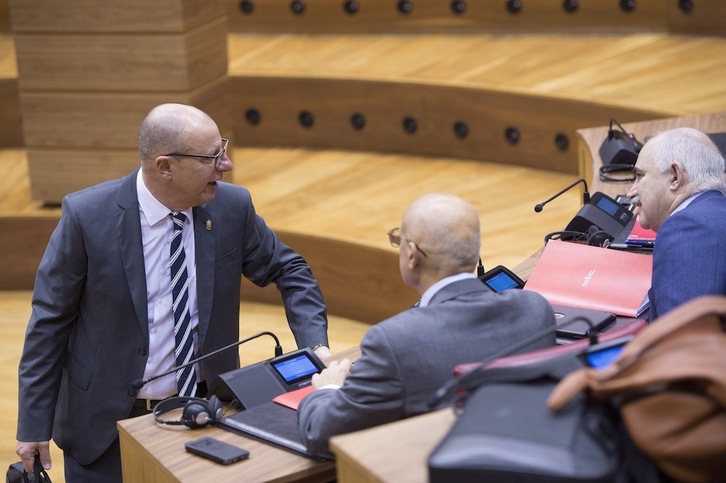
[(148, 404)]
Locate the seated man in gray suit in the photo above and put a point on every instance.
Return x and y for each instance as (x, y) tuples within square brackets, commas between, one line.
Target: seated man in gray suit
[(406, 358)]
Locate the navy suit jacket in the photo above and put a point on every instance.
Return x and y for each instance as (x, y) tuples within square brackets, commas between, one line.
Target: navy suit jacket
[(87, 339), (406, 358), (689, 259)]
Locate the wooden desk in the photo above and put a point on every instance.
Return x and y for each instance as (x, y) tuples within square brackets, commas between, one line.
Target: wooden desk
[(153, 453), (394, 452)]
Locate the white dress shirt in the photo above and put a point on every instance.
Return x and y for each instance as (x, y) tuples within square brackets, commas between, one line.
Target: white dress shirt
[(156, 232)]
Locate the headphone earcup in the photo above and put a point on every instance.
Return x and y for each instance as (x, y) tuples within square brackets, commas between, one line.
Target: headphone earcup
[(196, 414), (215, 409)]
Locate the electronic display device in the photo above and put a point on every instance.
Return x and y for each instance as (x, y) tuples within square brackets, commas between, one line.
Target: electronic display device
[(258, 383), (216, 450), (295, 367), (500, 279), (603, 212), (600, 356)]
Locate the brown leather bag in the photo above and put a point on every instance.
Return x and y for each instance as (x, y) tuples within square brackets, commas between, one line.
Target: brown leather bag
[(670, 384)]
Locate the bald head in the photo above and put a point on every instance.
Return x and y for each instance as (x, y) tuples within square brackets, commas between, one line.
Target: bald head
[(166, 129), (447, 228)]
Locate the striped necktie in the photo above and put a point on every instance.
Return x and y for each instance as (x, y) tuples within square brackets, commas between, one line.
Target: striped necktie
[(186, 379)]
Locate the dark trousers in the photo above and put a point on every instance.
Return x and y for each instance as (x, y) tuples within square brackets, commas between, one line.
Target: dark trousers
[(107, 468)]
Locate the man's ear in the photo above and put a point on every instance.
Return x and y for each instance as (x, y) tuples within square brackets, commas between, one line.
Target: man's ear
[(414, 257), (679, 177), (163, 165)]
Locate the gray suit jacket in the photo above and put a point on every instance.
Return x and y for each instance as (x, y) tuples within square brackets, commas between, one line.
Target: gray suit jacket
[(406, 358), (88, 340)]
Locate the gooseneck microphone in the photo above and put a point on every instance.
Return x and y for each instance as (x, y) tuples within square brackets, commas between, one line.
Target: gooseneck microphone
[(585, 196), (139, 383)]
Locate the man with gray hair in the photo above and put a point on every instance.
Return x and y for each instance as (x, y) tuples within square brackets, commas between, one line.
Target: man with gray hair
[(458, 319), (679, 193)]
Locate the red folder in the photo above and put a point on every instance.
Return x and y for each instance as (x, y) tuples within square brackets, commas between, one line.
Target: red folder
[(590, 277), (292, 399), (640, 236)]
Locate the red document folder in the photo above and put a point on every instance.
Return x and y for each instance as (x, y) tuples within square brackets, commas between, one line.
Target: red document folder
[(590, 277), (640, 236), (292, 399)]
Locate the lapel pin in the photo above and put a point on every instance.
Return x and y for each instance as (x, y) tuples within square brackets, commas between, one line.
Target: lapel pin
[(208, 225)]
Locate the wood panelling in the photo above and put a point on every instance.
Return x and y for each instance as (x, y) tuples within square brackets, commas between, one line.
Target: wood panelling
[(90, 72), (437, 111), (697, 17), (379, 16), (11, 133), (162, 16), (4, 17), (108, 119), (118, 62), (706, 17)]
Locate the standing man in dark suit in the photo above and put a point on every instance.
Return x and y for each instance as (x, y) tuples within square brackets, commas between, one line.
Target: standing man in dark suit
[(130, 262), (679, 193), (406, 358)]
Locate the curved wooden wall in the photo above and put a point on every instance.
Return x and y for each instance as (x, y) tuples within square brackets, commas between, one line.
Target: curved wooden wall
[(416, 118), (703, 17)]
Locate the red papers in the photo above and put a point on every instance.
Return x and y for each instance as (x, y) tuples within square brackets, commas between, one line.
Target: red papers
[(640, 236), (579, 275), (292, 399)]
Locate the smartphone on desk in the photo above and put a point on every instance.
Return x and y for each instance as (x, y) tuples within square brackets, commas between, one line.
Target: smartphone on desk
[(216, 450)]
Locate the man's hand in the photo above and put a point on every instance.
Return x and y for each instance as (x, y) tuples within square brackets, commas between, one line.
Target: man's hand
[(27, 450), (335, 373)]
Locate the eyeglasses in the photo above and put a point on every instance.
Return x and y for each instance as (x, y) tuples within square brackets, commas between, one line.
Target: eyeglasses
[(216, 157), (394, 236)]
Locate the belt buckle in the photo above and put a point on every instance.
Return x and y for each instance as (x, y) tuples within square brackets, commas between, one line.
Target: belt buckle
[(149, 405)]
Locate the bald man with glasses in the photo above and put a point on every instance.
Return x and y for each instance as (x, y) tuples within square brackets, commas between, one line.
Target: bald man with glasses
[(141, 274), (458, 319)]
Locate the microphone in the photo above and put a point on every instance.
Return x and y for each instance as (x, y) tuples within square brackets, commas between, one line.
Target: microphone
[(139, 383), (480, 269), (585, 196)]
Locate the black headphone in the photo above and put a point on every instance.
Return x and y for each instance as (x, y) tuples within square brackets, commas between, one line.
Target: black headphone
[(197, 412), (594, 236)]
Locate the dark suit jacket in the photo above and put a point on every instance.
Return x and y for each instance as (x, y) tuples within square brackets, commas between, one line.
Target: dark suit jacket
[(406, 358), (689, 259), (87, 339)]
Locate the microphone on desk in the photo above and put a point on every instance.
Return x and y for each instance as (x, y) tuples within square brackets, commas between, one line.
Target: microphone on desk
[(585, 196), (139, 383)]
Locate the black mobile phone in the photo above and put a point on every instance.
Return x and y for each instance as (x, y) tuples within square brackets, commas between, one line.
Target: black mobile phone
[(500, 279), (600, 356), (216, 450)]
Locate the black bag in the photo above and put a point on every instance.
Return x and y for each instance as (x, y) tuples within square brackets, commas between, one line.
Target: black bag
[(17, 474), (506, 432)]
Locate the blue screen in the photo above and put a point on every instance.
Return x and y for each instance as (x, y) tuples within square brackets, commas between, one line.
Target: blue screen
[(603, 358), (501, 282), (607, 206), (295, 368)]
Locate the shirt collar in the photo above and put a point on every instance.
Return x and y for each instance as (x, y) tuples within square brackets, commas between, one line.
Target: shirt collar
[(151, 208), (687, 202), (432, 290)]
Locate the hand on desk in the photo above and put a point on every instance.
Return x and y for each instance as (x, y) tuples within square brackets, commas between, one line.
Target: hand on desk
[(335, 373)]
